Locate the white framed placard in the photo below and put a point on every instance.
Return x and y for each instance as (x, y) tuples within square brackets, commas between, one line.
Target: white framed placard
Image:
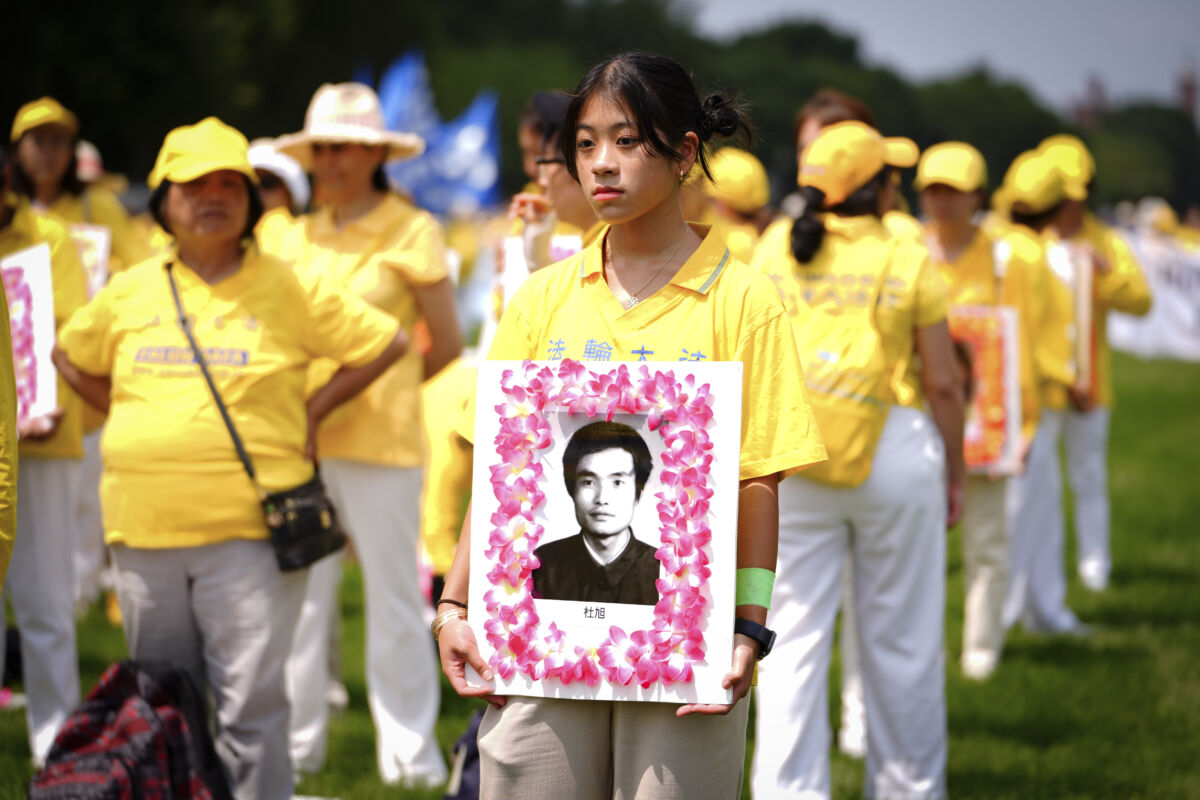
[(992, 434), (537, 520), (94, 243), (30, 294), (1071, 263)]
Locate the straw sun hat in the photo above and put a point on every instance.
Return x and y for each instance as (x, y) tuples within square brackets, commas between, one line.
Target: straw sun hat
[(347, 112)]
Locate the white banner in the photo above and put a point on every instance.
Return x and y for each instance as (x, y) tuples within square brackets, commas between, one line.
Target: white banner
[(1172, 328)]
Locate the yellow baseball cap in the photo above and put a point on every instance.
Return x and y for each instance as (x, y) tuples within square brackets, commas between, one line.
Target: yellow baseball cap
[(1034, 183), (194, 150), (739, 179), (955, 164), (848, 154), (1071, 156), (43, 111)]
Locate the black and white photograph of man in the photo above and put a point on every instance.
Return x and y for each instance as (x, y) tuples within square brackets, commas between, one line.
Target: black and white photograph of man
[(605, 468)]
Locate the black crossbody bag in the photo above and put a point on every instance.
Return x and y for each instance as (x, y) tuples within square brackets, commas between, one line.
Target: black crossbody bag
[(302, 521)]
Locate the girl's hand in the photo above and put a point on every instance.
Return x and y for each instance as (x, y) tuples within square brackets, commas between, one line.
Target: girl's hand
[(745, 654), (456, 649), (40, 428), (529, 206)]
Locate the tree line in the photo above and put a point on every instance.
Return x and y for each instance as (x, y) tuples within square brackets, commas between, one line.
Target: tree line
[(133, 70)]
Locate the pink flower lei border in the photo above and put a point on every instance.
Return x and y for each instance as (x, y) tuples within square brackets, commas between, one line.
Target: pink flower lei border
[(682, 413)]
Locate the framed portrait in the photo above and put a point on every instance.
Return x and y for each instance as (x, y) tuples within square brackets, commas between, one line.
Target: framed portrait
[(1072, 263), (604, 528), (30, 294), (992, 434), (94, 243)]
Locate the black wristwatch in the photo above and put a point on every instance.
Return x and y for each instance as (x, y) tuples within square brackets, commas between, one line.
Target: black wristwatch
[(759, 633)]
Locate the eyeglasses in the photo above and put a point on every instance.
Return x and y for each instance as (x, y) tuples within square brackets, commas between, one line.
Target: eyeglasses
[(268, 181)]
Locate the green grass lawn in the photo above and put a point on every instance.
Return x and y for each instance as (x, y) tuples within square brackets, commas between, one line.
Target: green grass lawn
[(1114, 715)]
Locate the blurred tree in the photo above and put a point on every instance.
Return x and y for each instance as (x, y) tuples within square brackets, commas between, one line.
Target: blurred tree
[(1146, 149), (133, 70), (998, 117)]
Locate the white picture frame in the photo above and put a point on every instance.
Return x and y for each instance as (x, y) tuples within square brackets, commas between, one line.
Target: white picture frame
[(29, 289), (676, 650), (94, 243), (992, 433)]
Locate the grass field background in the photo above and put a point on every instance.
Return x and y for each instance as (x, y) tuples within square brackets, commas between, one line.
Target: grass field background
[(1115, 715)]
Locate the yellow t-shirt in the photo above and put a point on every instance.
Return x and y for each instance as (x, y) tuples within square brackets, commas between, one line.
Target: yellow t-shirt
[(171, 475), (380, 258), (28, 228), (8, 442), (273, 230), (903, 225), (448, 461), (975, 279), (739, 237), (97, 206), (844, 271), (1124, 289), (714, 309), (1054, 313)]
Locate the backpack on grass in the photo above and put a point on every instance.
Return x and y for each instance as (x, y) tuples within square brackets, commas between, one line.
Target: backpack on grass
[(142, 733)]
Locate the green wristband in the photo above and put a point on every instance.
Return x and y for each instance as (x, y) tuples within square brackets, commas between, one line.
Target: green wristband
[(754, 586)]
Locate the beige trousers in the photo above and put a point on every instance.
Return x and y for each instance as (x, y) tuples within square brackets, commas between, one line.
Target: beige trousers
[(985, 565), (596, 750)]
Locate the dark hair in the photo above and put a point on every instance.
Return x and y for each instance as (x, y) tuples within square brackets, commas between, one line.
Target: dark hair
[(70, 183), (828, 106), (379, 179), (550, 109), (808, 230), (1036, 220), (662, 99), (159, 195), (597, 436)]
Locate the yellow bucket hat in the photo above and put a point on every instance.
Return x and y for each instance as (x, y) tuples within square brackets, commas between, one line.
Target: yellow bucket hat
[(194, 150), (1072, 158), (955, 164), (43, 111), (848, 154), (1034, 183), (739, 179)]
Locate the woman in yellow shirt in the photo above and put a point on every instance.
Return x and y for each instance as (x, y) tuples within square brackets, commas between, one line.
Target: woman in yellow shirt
[(41, 583), (1118, 283), (862, 301), (981, 270), (45, 135), (652, 286), (196, 577), (377, 245)]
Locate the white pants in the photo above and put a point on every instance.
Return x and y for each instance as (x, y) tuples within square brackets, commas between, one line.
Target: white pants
[(893, 526), (90, 553), (41, 585), (1086, 437), (225, 613), (854, 713), (1037, 587), (379, 508), (985, 545)]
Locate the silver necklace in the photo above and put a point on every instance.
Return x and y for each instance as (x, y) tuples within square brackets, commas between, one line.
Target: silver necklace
[(633, 299)]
